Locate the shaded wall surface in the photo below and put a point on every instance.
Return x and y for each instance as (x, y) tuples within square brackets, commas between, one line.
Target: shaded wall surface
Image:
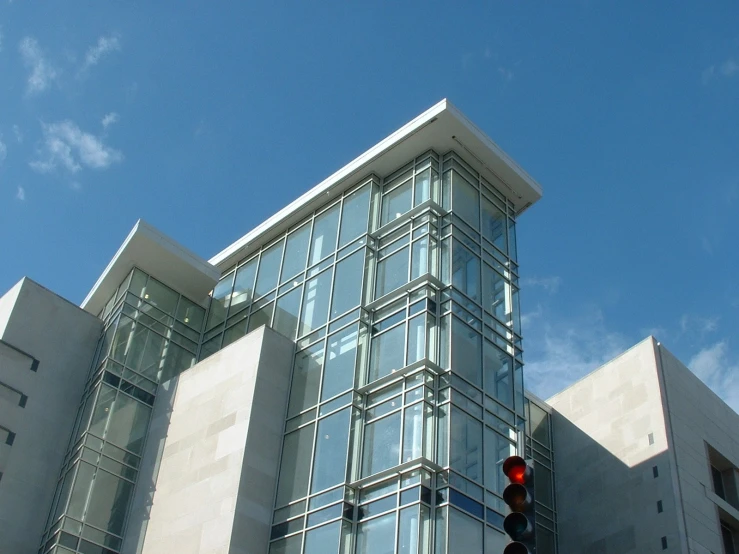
[(46, 347), (213, 452)]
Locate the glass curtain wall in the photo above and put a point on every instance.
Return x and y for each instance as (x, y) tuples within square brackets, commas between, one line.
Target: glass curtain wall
[(151, 334)]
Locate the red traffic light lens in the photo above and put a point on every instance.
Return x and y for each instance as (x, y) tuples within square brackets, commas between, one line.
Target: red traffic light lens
[(516, 469)]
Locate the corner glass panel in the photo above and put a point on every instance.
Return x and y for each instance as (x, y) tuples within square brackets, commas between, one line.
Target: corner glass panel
[(315, 303), (295, 465), (190, 314), (263, 316), (465, 201), (354, 216), (392, 272), (466, 352), (413, 432), (387, 353), (286, 313), (243, 292), (497, 449), (128, 423), (332, 439), (396, 202), (306, 378), (494, 293), (422, 187), (408, 531), (377, 536), (494, 225), (108, 502), (269, 268), (347, 291), (161, 296), (381, 444), (465, 533), (104, 404), (325, 232), (495, 541), (465, 439), (416, 339), (323, 540), (138, 283), (466, 271), (82, 484), (338, 375), (498, 368), (220, 301), (296, 253)]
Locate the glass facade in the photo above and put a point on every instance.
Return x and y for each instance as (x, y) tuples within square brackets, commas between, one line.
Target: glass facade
[(151, 334), (407, 385)]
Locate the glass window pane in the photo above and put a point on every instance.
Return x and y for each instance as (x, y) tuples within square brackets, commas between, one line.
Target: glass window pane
[(354, 215), (329, 467), (161, 296), (539, 424), (494, 289), (466, 352), (263, 316), (145, 351), (243, 292), (381, 444), (323, 540), (109, 502), (190, 313), (295, 465), (338, 375), (495, 541), (82, 484), (512, 252), (120, 341), (408, 529), (465, 533), (498, 380), (296, 253), (423, 187), (219, 302), (177, 360), (324, 235), (377, 536), (543, 484), (315, 303), (286, 313), (269, 267), (465, 201), (497, 449), (413, 432), (465, 271), (416, 339), (494, 225), (290, 545), (387, 353), (128, 423), (392, 272), (306, 378), (465, 439), (397, 202), (348, 284), (420, 258), (104, 403), (138, 283)]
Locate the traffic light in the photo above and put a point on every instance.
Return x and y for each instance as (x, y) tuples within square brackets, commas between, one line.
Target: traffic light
[(519, 495)]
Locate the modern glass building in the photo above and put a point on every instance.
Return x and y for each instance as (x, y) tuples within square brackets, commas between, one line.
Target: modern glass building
[(372, 328)]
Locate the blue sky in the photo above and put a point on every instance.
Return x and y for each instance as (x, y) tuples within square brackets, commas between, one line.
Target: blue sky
[(205, 121)]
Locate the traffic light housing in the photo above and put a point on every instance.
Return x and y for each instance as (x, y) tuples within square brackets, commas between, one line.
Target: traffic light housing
[(519, 495)]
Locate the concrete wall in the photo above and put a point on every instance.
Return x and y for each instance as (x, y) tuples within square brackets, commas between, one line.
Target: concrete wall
[(606, 490), (37, 324), (698, 416), (217, 430)]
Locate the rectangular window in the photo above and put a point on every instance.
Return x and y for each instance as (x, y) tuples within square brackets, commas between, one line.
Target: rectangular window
[(659, 507), (650, 438), (12, 395), (7, 436), (727, 537), (718, 483), (664, 543), (655, 472)]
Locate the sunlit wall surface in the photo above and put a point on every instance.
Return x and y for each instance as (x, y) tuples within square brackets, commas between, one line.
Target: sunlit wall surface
[(407, 388), (151, 334)]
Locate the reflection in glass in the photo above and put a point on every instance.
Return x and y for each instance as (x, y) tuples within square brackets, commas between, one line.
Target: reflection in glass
[(269, 267), (497, 449), (348, 284), (324, 235), (296, 253), (128, 423), (323, 540), (219, 302), (329, 465), (465, 201), (338, 375), (465, 437), (306, 377), (354, 216), (465, 271), (396, 202), (413, 432), (494, 293), (295, 465), (498, 380), (243, 292), (108, 502), (392, 272), (495, 541), (465, 533), (286, 313), (262, 316), (387, 353), (466, 352), (381, 444), (494, 225), (377, 536), (290, 545), (408, 529), (416, 339), (161, 296), (315, 303)]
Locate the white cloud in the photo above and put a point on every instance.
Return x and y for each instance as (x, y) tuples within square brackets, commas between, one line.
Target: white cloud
[(505, 74), (42, 72), (713, 366), (18, 134), (109, 119), (104, 46), (20, 194), (729, 67), (3, 150), (67, 146), (549, 284), (698, 325)]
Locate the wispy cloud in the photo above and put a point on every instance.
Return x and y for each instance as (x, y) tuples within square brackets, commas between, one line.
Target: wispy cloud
[(3, 150), (102, 48), (42, 72), (505, 73), (698, 325), (18, 134), (20, 194), (728, 68), (715, 368), (109, 119), (549, 284), (67, 147)]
